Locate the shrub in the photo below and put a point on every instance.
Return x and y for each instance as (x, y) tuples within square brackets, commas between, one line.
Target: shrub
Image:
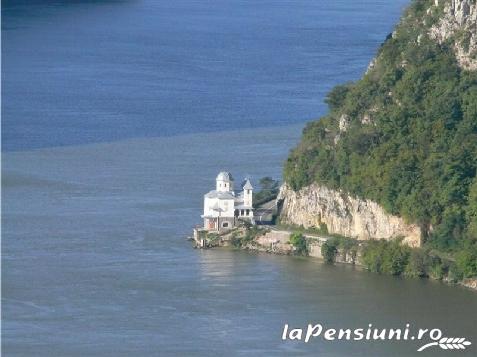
[(436, 270), (454, 274), (418, 264), (372, 256), (395, 258), (299, 242), (466, 262), (388, 257), (329, 250)]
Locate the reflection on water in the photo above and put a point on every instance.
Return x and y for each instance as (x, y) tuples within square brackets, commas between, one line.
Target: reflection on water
[(95, 261)]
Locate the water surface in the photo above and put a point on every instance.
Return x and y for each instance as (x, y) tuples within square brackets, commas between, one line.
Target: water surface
[(116, 117), (93, 71), (95, 261)]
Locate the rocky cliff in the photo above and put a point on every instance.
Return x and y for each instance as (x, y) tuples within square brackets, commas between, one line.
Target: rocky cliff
[(458, 26), (343, 214)]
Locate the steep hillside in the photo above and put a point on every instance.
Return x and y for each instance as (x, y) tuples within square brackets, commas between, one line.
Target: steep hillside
[(405, 135)]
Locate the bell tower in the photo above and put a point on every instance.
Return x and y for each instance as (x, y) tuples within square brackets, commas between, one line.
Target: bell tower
[(248, 194)]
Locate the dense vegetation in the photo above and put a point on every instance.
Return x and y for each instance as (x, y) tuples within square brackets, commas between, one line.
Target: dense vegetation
[(397, 259), (298, 240), (342, 245), (329, 251), (405, 136)]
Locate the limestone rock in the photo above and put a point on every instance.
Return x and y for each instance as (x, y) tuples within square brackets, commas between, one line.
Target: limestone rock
[(344, 215), (459, 22), (344, 122)]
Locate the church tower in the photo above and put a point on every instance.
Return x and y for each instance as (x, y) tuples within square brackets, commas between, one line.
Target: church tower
[(247, 194), (224, 182)]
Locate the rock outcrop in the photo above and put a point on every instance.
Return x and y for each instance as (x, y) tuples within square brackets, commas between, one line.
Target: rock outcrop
[(315, 205), (458, 24)]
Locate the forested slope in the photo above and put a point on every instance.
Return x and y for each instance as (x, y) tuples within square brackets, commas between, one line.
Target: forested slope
[(405, 135)]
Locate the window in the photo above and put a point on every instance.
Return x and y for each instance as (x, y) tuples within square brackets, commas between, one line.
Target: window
[(225, 224)]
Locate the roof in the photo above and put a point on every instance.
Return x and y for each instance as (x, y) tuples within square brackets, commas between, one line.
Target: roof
[(248, 185), (224, 176), (220, 195)]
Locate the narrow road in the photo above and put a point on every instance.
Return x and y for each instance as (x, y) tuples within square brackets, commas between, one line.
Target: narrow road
[(264, 213)]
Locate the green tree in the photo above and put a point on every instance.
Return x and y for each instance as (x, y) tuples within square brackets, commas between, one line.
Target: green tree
[(466, 262), (298, 240), (329, 250)]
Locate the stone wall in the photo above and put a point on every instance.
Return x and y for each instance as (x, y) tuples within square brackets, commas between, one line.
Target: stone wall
[(276, 242)]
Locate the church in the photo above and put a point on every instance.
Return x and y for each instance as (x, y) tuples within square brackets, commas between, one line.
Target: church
[(224, 207)]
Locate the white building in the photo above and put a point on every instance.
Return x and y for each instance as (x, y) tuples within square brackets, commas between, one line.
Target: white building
[(224, 207)]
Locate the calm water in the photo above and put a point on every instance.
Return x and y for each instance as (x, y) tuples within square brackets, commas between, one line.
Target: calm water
[(94, 260), (93, 71)]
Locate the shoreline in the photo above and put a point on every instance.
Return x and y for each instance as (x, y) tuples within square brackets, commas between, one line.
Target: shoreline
[(277, 243)]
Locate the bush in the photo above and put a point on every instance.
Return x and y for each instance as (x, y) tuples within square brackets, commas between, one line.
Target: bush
[(418, 264), (299, 242), (466, 263), (437, 270), (329, 251), (396, 257), (388, 257), (236, 240), (454, 274), (372, 256)]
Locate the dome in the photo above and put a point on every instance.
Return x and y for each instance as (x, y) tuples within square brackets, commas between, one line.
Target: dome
[(224, 176)]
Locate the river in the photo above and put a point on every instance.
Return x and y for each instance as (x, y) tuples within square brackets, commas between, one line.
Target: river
[(117, 116)]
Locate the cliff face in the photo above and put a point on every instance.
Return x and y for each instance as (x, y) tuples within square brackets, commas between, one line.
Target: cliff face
[(363, 219), (458, 24)]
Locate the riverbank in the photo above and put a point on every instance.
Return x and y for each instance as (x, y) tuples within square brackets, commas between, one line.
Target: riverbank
[(386, 257)]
